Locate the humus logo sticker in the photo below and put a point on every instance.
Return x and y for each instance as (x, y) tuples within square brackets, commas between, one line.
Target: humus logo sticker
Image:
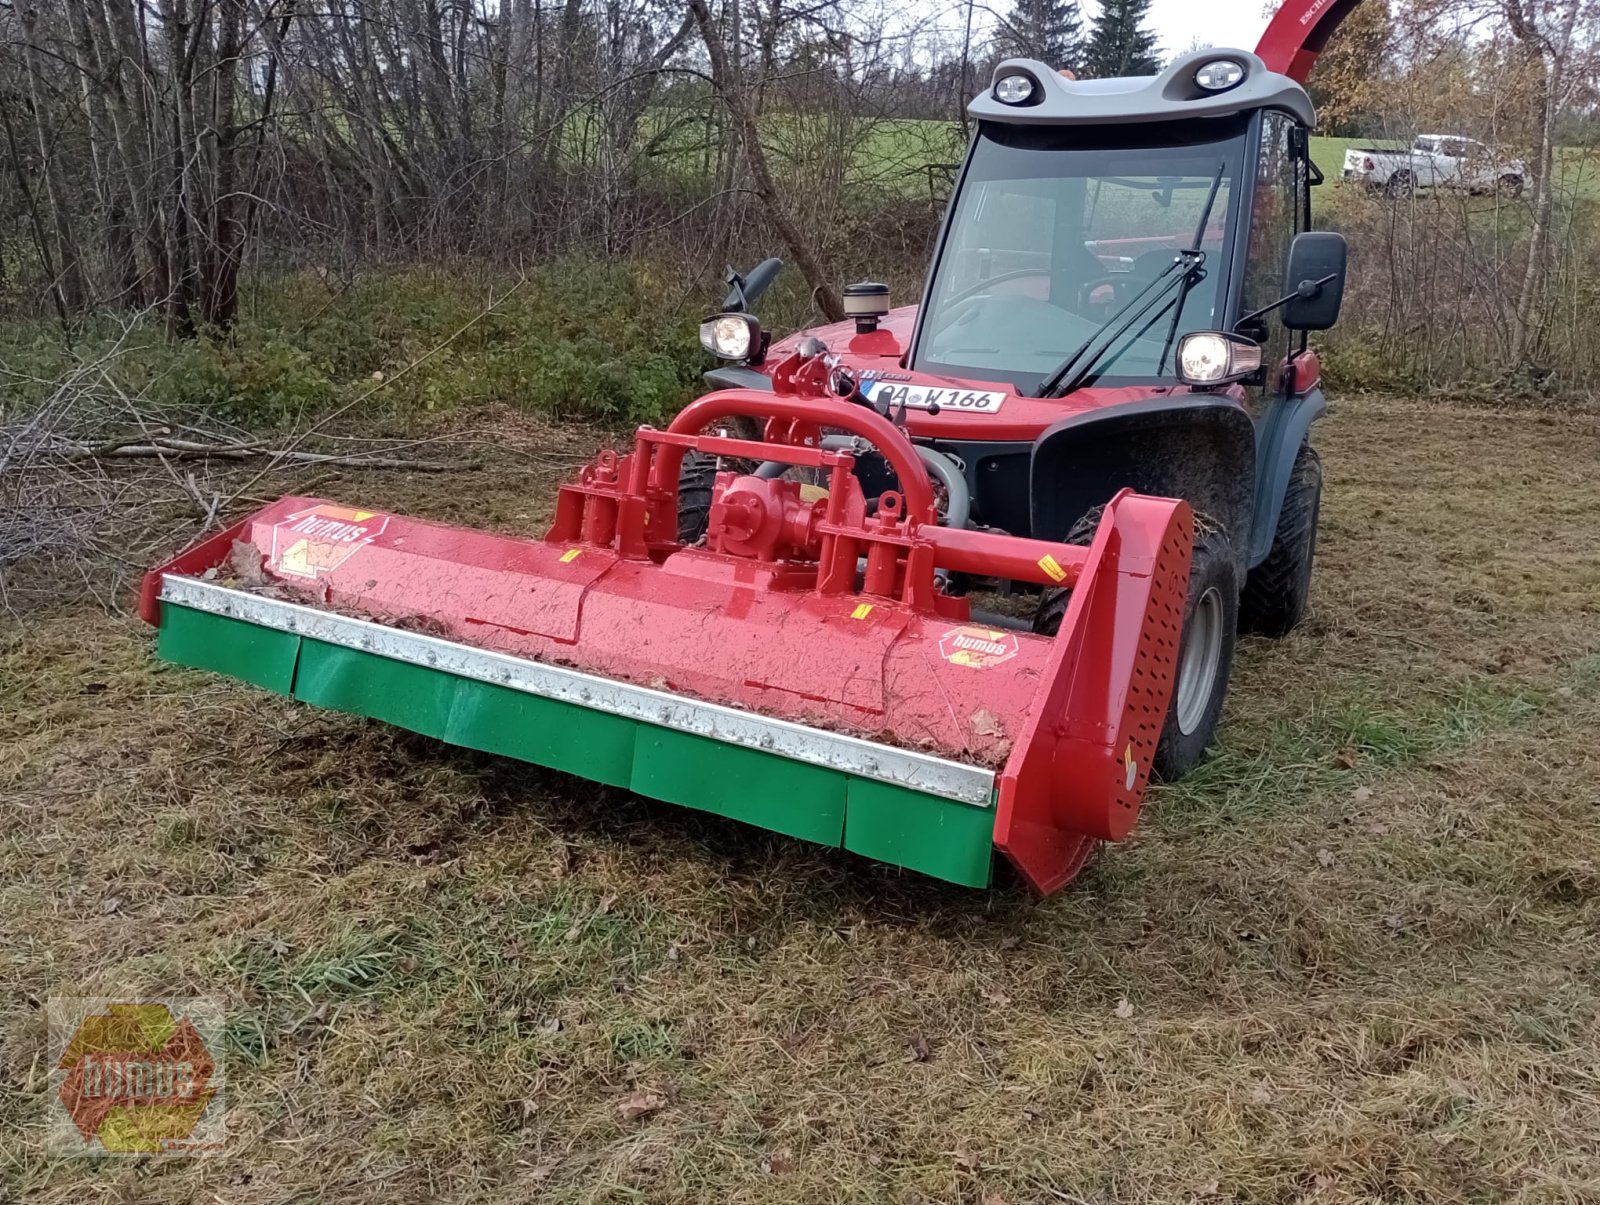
[(319, 540), (977, 647), (135, 1077)]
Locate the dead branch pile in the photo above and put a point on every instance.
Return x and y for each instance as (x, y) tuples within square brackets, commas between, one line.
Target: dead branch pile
[(90, 463)]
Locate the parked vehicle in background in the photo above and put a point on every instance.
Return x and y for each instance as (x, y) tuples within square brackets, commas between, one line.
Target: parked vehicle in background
[(1435, 161)]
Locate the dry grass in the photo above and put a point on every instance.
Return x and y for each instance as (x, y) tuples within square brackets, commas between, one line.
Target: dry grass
[(1353, 960)]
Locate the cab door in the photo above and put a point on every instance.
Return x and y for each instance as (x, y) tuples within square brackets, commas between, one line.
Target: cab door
[(1276, 216)]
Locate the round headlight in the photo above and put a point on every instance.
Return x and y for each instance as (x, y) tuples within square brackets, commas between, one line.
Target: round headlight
[(729, 336), (1219, 75), (1013, 89), (1215, 358), (1203, 358)]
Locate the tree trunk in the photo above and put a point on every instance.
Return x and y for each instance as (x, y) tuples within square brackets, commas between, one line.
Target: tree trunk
[(737, 99), (1550, 52), (71, 281)]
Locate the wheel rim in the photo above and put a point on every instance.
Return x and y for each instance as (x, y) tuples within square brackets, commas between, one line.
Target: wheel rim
[(1202, 655)]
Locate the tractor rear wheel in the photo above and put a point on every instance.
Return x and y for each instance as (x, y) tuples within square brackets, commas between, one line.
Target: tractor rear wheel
[(695, 481), (1276, 590), (1205, 650)]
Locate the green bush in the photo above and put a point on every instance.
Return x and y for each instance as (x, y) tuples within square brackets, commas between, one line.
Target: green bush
[(607, 342)]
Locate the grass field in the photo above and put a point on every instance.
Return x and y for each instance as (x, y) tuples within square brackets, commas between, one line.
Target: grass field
[(1354, 959)]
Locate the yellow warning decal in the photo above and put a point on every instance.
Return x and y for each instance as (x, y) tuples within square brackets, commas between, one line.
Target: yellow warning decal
[(862, 611), (571, 555), (1131, 766), (1052, 568)]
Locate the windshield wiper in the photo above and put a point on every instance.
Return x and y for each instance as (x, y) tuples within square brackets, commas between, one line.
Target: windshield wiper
[(1190, 278), (1182, 273), (1080, 363)]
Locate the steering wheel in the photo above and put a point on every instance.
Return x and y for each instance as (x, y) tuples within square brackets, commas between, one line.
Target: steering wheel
[(982, 286), (1123, 284), (967, 308)]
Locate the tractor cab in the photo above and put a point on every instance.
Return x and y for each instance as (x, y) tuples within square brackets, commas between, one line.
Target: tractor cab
[(1100, 228)]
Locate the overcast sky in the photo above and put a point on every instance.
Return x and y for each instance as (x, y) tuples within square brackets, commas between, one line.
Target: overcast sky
[(1236, 23)]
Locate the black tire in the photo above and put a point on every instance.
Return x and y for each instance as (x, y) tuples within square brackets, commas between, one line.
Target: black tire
[(1213, 581), (1275, 593), (1401, 184), (695, 481), (1510, 186)]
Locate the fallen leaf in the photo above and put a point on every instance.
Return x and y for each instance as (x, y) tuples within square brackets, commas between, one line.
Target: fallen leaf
[(247, 563), (550, 1025), (673, 953), (1326, 857), (1394, 920), (605, 905), (921, 1052), (278, 946), (94, 688), (541, 1173), (641, 1102), (985, 723), (1261, 1094), (1124, 1009), (779, 1163), (1361, 794), (1243, 935), (993, 1198), (997, 998), (111, 904), (967, 1161), (1347, 758)]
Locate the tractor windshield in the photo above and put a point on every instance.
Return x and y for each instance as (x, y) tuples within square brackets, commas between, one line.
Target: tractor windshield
[(1056, 228)]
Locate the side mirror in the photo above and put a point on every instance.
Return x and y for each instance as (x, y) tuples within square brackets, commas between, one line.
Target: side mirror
[(1315, 280), (744, 291)]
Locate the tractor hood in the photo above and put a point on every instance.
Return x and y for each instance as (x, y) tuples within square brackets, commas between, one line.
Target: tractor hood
[(989, 411)]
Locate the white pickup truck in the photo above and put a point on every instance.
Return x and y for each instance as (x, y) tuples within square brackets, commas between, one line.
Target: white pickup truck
[(1435, 161)]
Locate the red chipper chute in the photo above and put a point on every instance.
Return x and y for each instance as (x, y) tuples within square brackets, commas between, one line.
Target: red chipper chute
[(803, 668)]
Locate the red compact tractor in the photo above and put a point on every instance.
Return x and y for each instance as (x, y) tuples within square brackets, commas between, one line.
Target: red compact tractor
[(774, 608)]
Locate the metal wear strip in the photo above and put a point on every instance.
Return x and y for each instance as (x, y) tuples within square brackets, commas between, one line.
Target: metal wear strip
[(906, 768)]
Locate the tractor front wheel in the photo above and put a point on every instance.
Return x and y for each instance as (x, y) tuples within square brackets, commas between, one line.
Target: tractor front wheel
[(695, 481), (1205, 650), (1276, 591), (1205, 656)]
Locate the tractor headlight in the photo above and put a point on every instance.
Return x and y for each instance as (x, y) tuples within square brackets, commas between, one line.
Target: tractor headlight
[(1213, 358), (1014, 89), (731, 336), (1219, 75)]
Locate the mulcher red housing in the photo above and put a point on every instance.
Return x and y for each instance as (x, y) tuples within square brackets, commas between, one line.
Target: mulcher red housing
[(803, 669)]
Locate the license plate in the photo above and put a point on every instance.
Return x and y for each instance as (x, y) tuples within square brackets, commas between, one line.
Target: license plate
[(927, 397)]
